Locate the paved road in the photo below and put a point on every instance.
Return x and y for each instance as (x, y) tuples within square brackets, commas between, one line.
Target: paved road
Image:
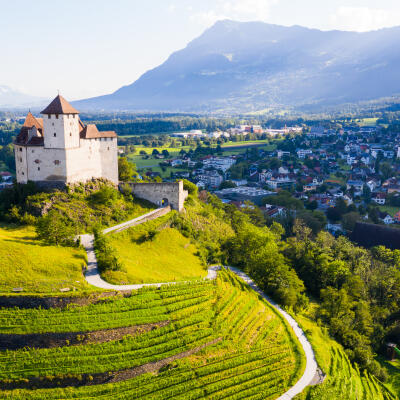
[(93, 277)]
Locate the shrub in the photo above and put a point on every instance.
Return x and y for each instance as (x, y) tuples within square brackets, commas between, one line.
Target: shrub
[(106, 254), (104, 196), (53, 228), (190, 187)]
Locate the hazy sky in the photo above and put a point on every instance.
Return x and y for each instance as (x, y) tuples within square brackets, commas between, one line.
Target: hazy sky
[(90, 47)]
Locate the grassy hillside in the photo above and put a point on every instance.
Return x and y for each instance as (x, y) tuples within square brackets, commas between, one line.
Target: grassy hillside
[(218, 340), (153, 252), (38, 268), (394, 374), (343, 379)]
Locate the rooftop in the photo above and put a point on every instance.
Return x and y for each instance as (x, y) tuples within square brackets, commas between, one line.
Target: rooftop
[(59, 106)]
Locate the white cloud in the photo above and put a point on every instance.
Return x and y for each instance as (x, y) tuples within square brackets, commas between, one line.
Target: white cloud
[(363, 19), (238, 10)]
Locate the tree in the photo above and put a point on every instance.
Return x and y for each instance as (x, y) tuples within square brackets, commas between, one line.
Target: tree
[(256, 250), (350, 219), (312, 205), (155, 152), (126, 169), (284, 199), (386, 170), (367, 194), (227, 185), (55, 229), (190, 187), (165, 153)]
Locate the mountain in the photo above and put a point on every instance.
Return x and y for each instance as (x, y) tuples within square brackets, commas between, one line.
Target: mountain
[(247, 66), (10, 98)]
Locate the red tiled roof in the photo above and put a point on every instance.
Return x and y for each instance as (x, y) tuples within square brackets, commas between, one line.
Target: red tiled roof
[(90, 131), (59, 106), (30, 122)]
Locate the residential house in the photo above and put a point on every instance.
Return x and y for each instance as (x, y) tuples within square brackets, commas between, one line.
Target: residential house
[(302, 153), (379, 198)]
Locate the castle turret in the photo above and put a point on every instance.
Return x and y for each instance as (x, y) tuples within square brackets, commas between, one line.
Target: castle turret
[(60, 125)]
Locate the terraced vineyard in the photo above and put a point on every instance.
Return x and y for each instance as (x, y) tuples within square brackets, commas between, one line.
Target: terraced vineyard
[(204, 340), (347, 382)]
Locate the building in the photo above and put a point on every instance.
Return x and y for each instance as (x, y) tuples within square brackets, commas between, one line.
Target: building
[(302, 153), (59, 149), (379, 198), (280, 183), (357, 185), (210, 179), (220, 163), (244, 193)]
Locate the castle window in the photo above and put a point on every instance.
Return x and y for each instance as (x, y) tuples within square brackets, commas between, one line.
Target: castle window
[(49, 116), (20, 159), (37, 161), (55, 134), (53, 123), (38, 168), (20, 149), (56, 116), (108, 148), (56, 162), (33, 151), (70, 134), (23, 173)]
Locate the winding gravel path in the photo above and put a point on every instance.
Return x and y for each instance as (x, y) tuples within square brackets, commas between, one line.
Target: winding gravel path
[(93, 277), (311, 364)]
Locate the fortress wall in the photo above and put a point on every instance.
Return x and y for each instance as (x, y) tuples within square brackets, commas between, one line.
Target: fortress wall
[(157, 192), (83, 163), (109, 159), (45, 164), (21, 166)]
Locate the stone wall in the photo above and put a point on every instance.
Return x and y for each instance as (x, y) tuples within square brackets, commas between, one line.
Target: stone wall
[(159, 212), (168, 193)]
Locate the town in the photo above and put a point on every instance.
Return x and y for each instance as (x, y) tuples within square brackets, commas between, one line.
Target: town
[(333, 176)]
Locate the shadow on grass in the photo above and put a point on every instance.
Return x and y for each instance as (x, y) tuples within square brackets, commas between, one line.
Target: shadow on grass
[(394, 373), (81, 257), (27, 241)]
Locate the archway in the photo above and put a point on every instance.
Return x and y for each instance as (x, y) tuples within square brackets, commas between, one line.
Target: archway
[(164, 202)]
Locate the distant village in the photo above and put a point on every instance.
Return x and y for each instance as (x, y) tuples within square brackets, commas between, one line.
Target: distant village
[(341, 173), (349, 174)]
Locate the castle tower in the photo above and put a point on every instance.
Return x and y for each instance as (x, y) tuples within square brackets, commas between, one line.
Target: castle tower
[(61, 125)]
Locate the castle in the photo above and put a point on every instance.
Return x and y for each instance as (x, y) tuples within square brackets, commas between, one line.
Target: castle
[(59, 149)]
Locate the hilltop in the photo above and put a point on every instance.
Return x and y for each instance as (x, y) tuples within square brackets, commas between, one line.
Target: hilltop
[(250, 66), (199, 338)]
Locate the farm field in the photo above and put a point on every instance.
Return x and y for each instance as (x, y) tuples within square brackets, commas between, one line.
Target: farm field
[(229, 148), (37, 268), (150, 254), (219, 339)]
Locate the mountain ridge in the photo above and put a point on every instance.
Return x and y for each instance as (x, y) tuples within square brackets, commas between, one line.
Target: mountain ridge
[(247, 66)]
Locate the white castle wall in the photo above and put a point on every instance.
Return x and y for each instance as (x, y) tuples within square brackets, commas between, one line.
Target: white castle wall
[(93, 158), (21, 166), (61, 131)]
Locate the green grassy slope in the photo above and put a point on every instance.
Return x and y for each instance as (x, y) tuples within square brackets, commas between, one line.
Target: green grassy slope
[(37, 268), (150, 253)]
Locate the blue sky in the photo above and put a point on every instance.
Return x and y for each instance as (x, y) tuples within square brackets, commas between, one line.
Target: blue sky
[(91, 47)]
